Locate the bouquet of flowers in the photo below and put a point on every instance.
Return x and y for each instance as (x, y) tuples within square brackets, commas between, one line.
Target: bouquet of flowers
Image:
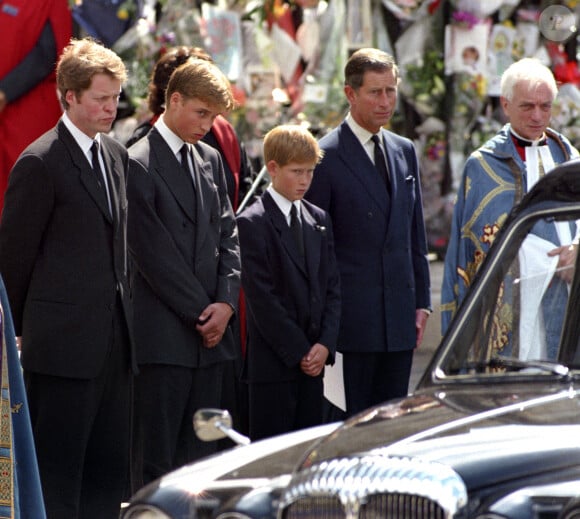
[(566, 113), (424, 86)]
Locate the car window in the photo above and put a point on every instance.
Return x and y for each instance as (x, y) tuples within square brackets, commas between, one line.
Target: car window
[(517, 318)]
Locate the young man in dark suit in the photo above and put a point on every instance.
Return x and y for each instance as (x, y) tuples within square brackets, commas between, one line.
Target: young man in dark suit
[(63, 257), (184, 241), (291, 284), (375, 206)]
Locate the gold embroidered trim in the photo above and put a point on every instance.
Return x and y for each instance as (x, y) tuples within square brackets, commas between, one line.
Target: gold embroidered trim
[(6, 460)]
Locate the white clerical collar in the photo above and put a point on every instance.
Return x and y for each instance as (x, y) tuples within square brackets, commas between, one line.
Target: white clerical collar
[(522, 141)]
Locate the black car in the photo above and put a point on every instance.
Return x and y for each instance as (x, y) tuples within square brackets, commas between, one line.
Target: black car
[(492, 430)]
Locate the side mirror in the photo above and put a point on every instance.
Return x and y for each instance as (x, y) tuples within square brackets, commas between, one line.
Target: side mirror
[(215, 424)]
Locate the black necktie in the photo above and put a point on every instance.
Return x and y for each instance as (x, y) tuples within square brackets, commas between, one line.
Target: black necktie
[(184, 151), (296, 228), (381, 162), (99, 172)]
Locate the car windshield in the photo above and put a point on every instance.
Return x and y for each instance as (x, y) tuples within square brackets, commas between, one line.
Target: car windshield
[(521, 318)]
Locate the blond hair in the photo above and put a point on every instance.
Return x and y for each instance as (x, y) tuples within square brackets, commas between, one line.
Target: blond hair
[(201, 79), (80, 61), (291, 143)]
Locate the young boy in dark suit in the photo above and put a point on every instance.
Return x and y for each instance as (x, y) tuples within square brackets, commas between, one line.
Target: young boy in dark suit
[(291, 284)]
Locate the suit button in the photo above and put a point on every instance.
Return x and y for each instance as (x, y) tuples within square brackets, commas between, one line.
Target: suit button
[(369, 215)]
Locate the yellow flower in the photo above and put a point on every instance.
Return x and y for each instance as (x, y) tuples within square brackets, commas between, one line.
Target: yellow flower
[(278, 9), (500, 42), (481, 85)]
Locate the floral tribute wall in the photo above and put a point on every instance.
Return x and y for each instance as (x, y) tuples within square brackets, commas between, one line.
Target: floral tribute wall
[(451, 59), (285, 59)]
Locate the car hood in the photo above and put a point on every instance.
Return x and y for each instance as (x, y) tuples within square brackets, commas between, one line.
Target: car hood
[(247, 466), (484, 433)]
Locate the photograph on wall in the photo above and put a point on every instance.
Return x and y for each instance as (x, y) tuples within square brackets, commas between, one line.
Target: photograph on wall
[(466, 48)]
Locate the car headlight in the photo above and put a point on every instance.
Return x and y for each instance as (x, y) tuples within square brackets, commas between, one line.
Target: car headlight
[(144, 512), (572, 510)]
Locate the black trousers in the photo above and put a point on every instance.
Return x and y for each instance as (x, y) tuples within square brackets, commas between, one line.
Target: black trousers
[(166, 400), (280, 407), (373, 378), (82, 431)]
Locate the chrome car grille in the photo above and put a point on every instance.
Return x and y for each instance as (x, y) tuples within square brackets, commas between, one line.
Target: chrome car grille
[(401, 506), (374, 486)]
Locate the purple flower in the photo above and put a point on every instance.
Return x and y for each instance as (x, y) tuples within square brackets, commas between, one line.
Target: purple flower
[(465, 18)]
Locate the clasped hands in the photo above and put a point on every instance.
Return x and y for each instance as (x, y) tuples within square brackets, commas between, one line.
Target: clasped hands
[(313, 362), (212, 323)]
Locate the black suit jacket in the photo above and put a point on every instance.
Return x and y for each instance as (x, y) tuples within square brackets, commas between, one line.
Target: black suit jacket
[(63, 255), (185, 258), (291, 304)]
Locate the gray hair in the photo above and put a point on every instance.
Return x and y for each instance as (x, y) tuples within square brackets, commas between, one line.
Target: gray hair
[(530, 70)]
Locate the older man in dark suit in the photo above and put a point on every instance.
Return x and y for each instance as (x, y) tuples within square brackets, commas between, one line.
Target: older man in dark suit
[(184, 241), (64, 260), (374, 202)]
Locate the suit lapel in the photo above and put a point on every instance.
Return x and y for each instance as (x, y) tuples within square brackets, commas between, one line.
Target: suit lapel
[(394, 156), (169, 169), (203, 177), (281, 225), (312, 240), (114, 179), (86, 173), (360, 165)]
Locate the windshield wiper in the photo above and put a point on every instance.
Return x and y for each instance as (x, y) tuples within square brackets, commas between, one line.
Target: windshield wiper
[(518, 365), (542, 365)]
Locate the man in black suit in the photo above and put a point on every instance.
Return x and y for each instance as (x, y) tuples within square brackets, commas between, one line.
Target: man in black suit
[(291, 285), (374, 202), (184, 241), (63, 257)]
